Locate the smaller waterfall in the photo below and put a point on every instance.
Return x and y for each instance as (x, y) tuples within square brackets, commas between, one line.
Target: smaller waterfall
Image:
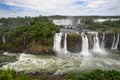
[(85, 50), (78, 22), (115, 42), (103, 41), (96, 47), (3, 39), (57, 42), (65, 44)]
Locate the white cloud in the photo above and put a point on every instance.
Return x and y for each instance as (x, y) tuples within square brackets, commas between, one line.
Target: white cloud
[(63, 7)]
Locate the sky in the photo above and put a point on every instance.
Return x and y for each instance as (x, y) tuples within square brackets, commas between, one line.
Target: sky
[(14, 8)]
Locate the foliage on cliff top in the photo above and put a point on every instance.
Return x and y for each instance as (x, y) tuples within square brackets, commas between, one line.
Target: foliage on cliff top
[(107, 26), (39, 31), (39, 27)]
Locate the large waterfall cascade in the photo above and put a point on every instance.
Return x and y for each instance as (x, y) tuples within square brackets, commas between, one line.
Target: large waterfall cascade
[(85, 51)]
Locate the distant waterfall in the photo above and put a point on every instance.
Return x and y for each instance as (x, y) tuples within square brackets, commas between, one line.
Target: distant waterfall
[(115, 42), (65, 44), (57, 42), (96, 47), (85, 50), (3, 39), (103, 41)]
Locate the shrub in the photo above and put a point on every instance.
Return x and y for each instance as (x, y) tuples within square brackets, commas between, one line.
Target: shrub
[(95, 75), (10, 74)]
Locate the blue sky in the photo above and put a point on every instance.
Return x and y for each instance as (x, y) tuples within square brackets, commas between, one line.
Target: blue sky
[(80, 3), (13, 8), (10, 8)]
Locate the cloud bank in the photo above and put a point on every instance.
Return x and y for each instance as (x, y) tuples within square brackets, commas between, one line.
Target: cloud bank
[(13, 8)]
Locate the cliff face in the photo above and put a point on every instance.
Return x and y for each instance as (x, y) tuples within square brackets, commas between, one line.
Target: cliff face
[(74, 43), (36, 47)]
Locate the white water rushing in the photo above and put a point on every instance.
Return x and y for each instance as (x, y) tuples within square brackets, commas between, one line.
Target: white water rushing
[(35, 63), (115, 42), (65, 44), (103, 41), (57, 42), (85, 50), (96, 47), (3, 39)]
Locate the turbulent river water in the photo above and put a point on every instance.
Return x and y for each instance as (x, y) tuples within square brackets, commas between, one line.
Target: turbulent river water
[(62, 64)]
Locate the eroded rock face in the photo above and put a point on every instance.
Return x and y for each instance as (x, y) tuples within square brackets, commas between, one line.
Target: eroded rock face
[(108, 40), (74, 42)]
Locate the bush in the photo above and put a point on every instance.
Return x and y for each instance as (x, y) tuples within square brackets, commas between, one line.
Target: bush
[(11, 75), (95, 75)]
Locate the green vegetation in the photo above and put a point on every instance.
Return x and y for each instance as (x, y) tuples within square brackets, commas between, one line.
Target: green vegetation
[(92, 75), (85, 17), (41, 27), (38, 33), (95, 75), (12, 75), (107, 26)]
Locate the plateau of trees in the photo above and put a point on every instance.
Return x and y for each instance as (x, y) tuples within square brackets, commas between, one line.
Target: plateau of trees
[(37, 32), (107, 26)]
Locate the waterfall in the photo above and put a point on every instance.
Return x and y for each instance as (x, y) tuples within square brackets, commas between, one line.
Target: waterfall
[(65, 44), (103, 41), (115, 43), (78, 22), (3, 39), (57, 42), (85, 50), (96, 47)]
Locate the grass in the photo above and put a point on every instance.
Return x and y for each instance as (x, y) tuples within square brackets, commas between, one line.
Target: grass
[(12, 75), (95, 75), (92, 75)]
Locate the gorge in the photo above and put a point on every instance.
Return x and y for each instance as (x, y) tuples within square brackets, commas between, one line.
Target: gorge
[(67, 46), (75, 50)]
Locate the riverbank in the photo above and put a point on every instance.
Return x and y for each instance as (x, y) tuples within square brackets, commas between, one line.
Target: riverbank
[(92, 75)]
